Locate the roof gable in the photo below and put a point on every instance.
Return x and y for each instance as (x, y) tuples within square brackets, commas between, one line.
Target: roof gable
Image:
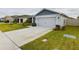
[(46, 12)]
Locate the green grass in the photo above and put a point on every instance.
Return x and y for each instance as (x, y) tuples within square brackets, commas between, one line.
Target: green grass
[(56, 41), (10, 27)]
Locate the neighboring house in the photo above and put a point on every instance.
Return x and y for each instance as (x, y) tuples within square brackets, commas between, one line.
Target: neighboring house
[(2, 19), (21, 19), (9, 19), (48, 18), (16, 18)]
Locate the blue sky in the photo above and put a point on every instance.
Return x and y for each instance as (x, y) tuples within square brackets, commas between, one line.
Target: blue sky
[(72, 12)]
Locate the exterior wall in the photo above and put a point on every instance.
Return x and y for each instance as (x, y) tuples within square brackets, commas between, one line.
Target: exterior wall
[(68, 21), (72, 22), (63, 20), (9, 18), (60, 20), (24, 19)]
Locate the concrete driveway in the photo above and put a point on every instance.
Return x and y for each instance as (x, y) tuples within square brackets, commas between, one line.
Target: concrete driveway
[(23, 36), (6, 43)]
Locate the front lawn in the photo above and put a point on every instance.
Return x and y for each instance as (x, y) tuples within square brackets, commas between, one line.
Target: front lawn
[(9, 27), (56, 41)]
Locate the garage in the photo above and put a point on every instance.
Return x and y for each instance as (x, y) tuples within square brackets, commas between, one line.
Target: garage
[(48, 18), (46, 21)]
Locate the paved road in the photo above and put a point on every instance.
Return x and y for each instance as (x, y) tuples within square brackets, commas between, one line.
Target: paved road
[(23, 36), (6, 43)]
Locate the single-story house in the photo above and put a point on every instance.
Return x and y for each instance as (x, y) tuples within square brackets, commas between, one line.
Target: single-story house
[(48, 18), (16, 18), (9, 19), (21, 19)]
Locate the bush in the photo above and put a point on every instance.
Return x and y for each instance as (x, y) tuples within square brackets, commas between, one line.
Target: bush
[(33, 24), (29, 21), (1, 21), (15, 21), (6, 21), (58, 27), (26, 24)]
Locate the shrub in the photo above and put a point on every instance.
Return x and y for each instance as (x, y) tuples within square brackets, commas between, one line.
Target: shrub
[(26, 24), (6, 21), (15, 21), (29, 21), (57, 27), (1, 21), (33, 24)]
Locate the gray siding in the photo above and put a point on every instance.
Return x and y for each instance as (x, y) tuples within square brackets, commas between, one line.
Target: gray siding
[(46, 12), (72, 22)]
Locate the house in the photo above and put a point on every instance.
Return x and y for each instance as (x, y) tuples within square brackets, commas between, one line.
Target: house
[(48, 18), (9, 19), (21, 19), (15, 18)]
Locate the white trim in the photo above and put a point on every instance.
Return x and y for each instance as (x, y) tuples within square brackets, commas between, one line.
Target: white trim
[(32, 19), (54, 15)]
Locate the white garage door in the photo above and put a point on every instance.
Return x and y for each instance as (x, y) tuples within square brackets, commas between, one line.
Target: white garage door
[(46, 21)]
